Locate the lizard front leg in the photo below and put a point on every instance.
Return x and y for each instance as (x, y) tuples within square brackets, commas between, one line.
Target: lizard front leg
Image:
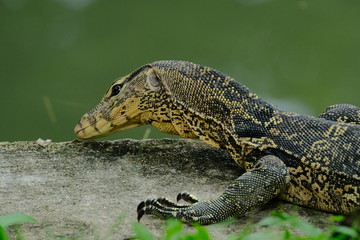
[(254, 188)]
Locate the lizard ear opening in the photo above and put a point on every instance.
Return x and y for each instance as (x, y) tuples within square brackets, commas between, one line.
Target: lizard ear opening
[(152, 80)]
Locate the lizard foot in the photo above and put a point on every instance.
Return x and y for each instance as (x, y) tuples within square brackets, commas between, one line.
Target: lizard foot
[(164, 202), (254, 188), (204, 212)]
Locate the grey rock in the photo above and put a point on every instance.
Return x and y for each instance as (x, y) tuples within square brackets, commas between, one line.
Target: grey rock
[(81, 189)]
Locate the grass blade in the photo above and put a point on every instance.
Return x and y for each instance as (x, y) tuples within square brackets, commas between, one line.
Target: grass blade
[(15, 218)]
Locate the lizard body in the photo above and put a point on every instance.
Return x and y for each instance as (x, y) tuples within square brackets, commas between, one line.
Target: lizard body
[(310, 161)]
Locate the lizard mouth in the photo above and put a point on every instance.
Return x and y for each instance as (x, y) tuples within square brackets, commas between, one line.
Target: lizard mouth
[(101, 127), (86, 130)]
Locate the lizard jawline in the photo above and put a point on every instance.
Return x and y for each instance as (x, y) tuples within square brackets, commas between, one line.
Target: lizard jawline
[(85, 130)]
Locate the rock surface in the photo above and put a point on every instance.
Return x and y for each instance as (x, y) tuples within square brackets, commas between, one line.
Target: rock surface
[(81, 189)]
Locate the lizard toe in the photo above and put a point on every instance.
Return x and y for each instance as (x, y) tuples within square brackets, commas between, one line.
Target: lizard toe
[(187, 197), (205, 212)]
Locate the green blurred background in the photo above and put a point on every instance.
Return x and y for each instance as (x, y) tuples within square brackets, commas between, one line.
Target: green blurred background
[(58, 57)]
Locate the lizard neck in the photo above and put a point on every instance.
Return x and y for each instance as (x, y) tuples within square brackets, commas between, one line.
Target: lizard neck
[(221, 119), (251, 117), (206, 96)]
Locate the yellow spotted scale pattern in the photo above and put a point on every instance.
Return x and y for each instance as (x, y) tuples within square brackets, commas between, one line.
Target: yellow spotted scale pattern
[(310, 161)]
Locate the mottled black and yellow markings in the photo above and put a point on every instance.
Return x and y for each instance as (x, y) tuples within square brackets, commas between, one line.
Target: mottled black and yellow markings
[(310, 161)]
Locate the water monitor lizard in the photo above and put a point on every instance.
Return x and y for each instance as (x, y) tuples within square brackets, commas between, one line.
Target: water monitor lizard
[(310, 161)]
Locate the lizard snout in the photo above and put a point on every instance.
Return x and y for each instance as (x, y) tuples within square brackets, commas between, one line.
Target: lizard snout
[(89, 128)]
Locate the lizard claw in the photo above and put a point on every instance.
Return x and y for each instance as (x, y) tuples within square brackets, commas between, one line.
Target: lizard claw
[(145, 203), (199, 212), (140, 207), (164, 208), (150, 206), (141, 213), (145, 207), (187, 197)]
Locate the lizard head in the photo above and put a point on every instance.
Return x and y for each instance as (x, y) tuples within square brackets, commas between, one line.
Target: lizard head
[(126, 104)]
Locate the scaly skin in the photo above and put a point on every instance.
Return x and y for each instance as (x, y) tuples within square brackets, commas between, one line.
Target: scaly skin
[(310, 161)]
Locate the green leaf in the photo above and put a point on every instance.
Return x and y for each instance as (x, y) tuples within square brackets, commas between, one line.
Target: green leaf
[(142, 232), (19, 235), (201, 233), (337, 218), (245, 233), (15, 218), (3, 235), (280, 215), (284, 220), (174, 229), (347, 231), (287, 235), (305, 227), (270, 221), (264, 235), (232, 237)]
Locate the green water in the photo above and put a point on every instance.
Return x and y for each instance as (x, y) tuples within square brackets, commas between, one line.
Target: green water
[(58, 57)]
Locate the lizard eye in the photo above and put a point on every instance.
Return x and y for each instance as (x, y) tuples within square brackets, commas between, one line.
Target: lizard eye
[(116, 89)]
